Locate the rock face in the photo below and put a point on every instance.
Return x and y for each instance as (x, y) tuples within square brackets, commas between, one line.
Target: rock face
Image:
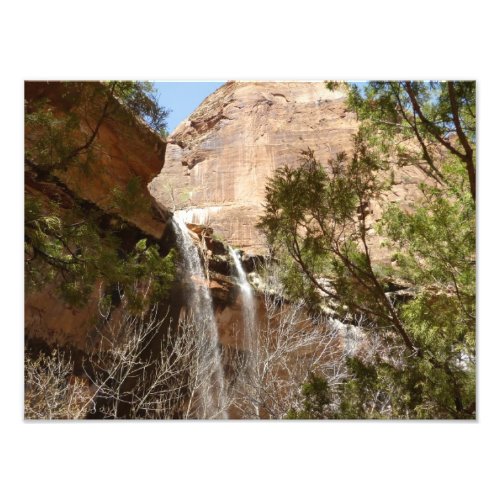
[(217, 161), (126, 150)]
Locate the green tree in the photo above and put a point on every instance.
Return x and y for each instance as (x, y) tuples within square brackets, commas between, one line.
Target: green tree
[(317, 219), (58, 137), (316, 402), (429, 119), (69, 241)]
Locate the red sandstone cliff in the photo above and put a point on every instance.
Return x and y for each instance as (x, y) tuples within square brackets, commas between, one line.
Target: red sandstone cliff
[(218, 160), (124, 149)]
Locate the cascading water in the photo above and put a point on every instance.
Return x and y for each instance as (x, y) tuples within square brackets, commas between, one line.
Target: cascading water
[(212, 394), (248, 302), (249, 332)]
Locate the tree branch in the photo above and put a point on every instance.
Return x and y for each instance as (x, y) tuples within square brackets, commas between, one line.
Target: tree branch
[(430, 126), (469, 154)]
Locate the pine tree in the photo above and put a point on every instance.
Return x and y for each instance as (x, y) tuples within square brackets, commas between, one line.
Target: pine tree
[(316, 220)]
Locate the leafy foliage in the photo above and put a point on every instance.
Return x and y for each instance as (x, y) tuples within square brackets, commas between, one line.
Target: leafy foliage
[(436, 251), (319, 218), (69, 248), (420, 122), (141, 98)]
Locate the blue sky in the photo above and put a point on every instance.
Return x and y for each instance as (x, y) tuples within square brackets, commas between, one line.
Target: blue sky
[(182, 98)]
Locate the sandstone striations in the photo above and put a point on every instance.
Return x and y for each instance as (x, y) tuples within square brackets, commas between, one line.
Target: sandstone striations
[(218, 160)]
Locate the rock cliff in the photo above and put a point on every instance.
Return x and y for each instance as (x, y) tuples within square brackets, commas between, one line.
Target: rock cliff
[(218, 160), (125, 150)]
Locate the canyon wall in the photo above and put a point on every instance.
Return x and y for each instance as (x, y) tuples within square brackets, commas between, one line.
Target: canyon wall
[(125, 150), (218, 160)]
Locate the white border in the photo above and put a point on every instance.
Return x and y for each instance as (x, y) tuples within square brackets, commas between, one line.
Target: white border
[(254, 40)]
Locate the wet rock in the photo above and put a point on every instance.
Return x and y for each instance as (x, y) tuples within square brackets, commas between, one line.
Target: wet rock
[(220, 264)]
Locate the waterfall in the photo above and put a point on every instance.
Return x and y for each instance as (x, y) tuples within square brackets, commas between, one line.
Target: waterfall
[(211, 391), (249, 333)]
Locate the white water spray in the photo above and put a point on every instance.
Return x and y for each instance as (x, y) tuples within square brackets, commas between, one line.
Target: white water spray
[(249, 330), (248, 303), (201, 307)]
